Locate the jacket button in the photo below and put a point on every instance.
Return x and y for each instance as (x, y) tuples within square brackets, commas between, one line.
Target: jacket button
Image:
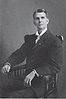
[(39, 43), (31, 60)]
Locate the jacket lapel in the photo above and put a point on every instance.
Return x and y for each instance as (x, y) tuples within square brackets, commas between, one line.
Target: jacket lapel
[(43, 39)]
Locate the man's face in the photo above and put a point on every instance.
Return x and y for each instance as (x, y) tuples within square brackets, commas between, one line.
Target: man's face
[(40, 20)]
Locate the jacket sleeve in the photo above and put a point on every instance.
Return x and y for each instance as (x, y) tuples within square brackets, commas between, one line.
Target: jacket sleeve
[(54, 60), (18, 56)]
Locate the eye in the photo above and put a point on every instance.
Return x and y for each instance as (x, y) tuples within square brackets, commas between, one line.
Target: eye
[(36, 18), (42, 17)]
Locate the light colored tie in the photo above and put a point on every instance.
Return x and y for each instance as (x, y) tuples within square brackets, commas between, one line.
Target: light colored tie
[(38, 37)]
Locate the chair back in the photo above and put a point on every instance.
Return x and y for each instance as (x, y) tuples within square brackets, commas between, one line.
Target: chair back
[(60, 37)]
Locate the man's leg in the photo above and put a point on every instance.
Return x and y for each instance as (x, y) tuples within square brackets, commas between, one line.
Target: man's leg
[(8, 85), (24, 93), (12, 81)]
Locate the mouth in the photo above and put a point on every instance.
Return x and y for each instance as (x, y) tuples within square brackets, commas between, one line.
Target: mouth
[(40, 24)]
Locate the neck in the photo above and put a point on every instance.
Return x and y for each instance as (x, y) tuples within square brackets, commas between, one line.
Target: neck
[(40, 30)]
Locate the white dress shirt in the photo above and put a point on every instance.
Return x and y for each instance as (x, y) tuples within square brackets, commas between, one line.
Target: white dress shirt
[(39, 35)]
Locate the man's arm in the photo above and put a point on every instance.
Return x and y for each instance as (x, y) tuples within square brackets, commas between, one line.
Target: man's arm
[(17, 57)]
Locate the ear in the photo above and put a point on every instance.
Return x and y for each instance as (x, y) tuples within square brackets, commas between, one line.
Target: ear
[(34, 22), (47, 20)]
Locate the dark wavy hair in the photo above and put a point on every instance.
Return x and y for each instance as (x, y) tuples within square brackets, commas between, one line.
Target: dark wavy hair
[(39, 11)]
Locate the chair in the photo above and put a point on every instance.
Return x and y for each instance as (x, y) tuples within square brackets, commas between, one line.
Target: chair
[(16, 71), (51, 80), (50, 86), (60, 37)]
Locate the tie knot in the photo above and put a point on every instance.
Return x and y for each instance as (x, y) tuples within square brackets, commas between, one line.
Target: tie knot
[(37, 36)]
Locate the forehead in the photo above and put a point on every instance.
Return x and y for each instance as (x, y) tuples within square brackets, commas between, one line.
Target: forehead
[(40, 14)]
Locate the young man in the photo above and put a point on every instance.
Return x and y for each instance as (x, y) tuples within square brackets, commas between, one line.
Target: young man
[(43, 53)]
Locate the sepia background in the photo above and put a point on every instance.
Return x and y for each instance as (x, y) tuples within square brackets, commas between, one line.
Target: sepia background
[(16, 21)]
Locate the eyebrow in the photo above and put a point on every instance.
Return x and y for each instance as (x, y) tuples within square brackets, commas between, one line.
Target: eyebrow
[(41, 17)]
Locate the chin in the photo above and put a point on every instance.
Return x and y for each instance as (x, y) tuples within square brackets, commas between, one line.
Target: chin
[(41, 28)]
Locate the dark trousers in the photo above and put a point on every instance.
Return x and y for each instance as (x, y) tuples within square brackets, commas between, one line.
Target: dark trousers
[(13, 87)]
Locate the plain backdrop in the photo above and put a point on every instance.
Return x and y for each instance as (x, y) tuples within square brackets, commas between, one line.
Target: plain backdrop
[(16, 21)]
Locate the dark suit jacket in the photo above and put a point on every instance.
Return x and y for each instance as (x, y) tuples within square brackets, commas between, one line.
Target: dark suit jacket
[(46, 56)]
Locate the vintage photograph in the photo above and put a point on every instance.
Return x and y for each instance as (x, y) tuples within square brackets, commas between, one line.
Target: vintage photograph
[(32, 49)]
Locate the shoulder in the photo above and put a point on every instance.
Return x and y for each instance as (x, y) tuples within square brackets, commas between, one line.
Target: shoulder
[(54, 39), (57, 39), (28, 37)]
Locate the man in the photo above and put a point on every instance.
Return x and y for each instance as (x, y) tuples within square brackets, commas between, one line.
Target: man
[(43, 54)]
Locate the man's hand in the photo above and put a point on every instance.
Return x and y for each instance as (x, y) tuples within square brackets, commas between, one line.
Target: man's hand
[(5, 69), (29, 78)]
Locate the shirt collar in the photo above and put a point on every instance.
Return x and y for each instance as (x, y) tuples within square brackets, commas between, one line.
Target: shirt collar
[(41, 32)]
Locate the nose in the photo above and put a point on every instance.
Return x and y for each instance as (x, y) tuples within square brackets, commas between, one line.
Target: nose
[(39, 20)]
